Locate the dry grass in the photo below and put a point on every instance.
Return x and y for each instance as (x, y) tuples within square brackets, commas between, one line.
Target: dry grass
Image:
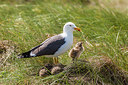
[(109, 70), (122, 5)]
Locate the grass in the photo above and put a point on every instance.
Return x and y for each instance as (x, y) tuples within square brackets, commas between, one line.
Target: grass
[(28, 24)]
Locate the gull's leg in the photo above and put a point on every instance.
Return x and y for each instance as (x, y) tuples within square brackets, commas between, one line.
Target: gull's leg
[(55, 60)]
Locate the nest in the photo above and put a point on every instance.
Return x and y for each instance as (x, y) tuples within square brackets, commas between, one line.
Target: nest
[(97, 70)]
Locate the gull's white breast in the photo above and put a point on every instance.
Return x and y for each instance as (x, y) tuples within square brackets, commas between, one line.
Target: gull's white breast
[(66, 46)]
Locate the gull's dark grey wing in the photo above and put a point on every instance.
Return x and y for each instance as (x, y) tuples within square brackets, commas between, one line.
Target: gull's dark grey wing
[(50, 46)]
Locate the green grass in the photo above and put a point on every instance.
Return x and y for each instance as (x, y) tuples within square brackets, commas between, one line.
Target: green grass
[(28, 24)]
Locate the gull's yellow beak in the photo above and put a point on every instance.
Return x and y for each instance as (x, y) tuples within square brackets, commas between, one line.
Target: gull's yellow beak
[(78, 29)]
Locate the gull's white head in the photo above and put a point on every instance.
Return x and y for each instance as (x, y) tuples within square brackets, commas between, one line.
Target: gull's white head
[(70, 27)]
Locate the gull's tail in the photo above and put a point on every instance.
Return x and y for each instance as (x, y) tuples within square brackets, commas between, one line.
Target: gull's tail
[(25, 55)]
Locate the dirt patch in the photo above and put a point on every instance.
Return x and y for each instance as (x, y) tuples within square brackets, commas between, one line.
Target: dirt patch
[(7, 47)]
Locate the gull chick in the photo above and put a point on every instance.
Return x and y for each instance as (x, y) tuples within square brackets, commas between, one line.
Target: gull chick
[(76, 51)]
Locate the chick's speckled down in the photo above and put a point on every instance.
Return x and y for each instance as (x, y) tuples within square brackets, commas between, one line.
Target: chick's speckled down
[(76, 51)]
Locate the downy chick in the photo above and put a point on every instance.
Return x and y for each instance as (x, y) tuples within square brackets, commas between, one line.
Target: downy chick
[(76, 51)]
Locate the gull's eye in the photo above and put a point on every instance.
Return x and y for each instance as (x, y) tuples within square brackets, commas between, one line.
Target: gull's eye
[(70, 25)]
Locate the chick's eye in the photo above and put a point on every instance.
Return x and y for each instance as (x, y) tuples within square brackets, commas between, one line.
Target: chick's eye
[(70, 25)]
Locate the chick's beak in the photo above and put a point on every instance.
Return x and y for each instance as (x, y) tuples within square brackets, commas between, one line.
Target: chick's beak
[(78, 29)]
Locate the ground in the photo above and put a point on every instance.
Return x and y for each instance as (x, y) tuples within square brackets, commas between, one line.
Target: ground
[(26, 23)]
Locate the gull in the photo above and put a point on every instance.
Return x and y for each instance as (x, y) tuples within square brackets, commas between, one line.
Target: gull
[(54, 46)]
